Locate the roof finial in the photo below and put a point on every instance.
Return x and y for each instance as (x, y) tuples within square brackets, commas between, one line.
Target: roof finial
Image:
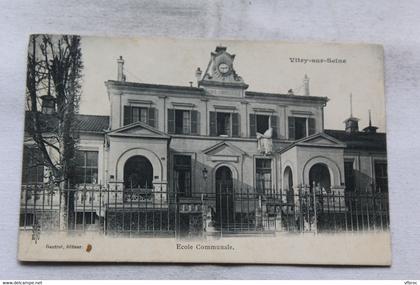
[(306, 85), (352, 123), (370, 129)]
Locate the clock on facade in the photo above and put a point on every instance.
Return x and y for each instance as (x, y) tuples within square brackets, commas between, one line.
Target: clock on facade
[(223, 68)]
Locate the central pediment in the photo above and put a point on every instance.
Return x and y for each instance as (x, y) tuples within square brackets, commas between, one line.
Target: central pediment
[(224, 151), (320, 139), (316, 140), (139, 129)]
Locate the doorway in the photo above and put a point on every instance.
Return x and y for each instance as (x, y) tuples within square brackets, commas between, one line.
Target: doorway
[(138, 173), (319, 176), (224, 216)]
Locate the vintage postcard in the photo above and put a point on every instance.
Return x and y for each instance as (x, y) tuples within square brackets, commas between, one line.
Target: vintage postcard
[(201, 151)]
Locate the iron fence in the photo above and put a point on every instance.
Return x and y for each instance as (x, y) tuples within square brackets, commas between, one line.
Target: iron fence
[(117, 210)]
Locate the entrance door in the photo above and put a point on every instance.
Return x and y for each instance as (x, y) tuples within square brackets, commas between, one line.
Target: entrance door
[(224, 197), (319, 175), (138, 173)]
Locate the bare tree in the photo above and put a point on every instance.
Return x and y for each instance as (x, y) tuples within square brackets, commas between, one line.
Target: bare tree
[(54, 73)]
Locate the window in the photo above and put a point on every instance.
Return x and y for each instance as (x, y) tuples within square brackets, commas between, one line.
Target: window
[(87, 218), (86, 170), (261, 123), (139, 114), (263, 174), (26, 219), (33, 166), (182, 175), (146, 115), (301, 127), (381, 176), (184, 122), (224, 124), (349, 176)]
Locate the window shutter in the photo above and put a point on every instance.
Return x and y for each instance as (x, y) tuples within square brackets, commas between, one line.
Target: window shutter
[(213, 129), (311, 126), (291, 122), (151, 121), (156, 118), (252, 125), (274, 125), (235, 125), (171, 121), (195, 122), (127, 115)]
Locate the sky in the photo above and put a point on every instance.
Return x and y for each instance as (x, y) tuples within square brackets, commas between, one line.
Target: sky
[(264, 66)]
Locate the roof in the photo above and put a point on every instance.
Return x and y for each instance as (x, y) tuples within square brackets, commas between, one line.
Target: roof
[(92, 123), (84, 123), (158, 87), (253, 94), (360, 140)]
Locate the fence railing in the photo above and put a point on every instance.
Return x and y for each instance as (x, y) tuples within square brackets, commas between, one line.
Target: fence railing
[(118, 210)]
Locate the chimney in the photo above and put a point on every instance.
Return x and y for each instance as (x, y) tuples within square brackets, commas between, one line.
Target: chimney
[(352, 123), (198, 74), (306, 85), (120, 75), (370, 129)]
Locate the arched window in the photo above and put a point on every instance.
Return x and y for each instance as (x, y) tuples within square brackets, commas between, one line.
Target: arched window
[(138, 172)]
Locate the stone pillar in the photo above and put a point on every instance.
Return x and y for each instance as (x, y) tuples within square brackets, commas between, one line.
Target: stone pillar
[(259, 214)]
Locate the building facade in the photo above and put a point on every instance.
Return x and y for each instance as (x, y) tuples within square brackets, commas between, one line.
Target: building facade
[(200, 147)]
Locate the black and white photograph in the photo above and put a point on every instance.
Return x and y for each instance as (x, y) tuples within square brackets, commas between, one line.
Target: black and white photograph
[(213, 151)]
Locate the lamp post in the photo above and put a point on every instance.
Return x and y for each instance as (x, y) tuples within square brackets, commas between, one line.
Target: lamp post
[(204, 211), (205, 174)]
